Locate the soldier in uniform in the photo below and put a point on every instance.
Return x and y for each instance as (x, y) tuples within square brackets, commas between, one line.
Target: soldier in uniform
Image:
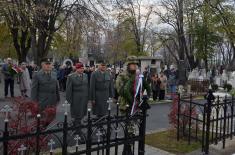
[(77, 90), (126, 82), (126, 85), (101, 89), (44, 86)]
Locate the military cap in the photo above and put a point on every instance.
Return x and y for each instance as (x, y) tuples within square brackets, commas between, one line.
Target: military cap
[(46, 60), (132, 60), (79, 65), (102, 62)]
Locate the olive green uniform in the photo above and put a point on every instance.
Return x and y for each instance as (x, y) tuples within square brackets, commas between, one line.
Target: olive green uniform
[(45, 89), (101, 89), (77, 90)]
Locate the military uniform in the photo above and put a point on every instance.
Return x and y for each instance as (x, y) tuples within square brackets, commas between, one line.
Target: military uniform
[(125, 84), (45, 89), (101, 88), (77, 90)]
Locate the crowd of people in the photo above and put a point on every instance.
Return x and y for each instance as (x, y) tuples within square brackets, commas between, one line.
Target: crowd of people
[(83, 84)]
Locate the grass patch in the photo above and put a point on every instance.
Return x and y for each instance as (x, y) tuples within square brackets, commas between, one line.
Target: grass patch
[(166, 140)]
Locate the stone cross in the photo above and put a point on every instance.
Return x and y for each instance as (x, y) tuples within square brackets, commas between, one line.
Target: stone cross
[(51, 143), (99, 134), (66, 106), (110, 100), (6, 109), (22, 149), (77, 138)]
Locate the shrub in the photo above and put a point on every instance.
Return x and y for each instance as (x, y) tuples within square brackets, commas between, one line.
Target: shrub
[(23, 120), (185, 110), (228, 87), (214, 87)]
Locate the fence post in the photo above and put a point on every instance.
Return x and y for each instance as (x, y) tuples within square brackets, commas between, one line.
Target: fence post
[(89, 132), (225, 119), (65, 128), (210, 97), (6, 109), (116, 133), (37, 135), (144, 107), (178, 119), (5, 136), (108, 127), (127, 147), (190, 119)]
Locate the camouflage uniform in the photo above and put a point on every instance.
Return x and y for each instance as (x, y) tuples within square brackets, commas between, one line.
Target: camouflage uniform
[(125, 84)]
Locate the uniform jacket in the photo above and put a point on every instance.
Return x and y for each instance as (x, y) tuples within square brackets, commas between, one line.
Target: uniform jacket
[(45, 89), (101, 88), (77, 90)]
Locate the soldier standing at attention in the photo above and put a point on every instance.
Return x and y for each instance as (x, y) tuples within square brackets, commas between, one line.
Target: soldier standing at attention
[(77, 90), (127, 88), (101, 89), (44, 86)]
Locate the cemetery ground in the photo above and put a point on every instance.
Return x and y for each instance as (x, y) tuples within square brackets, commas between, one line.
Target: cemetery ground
[(160, 139)]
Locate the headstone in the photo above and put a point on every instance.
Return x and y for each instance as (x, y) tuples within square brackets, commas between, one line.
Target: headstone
[(218, 80), (232, 79)]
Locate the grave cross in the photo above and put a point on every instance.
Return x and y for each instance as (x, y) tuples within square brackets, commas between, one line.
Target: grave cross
[(6, 109), (66, 106), (77, 138), (51, 143), (22, 149), (99, 134), (110, 100)]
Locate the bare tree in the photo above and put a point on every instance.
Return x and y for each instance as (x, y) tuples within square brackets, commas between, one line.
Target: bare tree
[(38, 21), (132, 12)]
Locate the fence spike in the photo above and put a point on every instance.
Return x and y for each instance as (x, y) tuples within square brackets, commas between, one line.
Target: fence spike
[(77, 138), (99, 134), (110, 101), (66, 105), (6, 109), (21, 149), (51, 143)]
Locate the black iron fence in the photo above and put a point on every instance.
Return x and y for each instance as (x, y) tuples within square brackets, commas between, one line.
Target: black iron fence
[(209, 121), (111, 134)]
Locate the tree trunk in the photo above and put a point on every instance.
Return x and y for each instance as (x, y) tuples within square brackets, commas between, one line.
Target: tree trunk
[(21, 43)]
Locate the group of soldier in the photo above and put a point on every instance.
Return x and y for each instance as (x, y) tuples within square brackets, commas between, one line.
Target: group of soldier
[(80, 90)]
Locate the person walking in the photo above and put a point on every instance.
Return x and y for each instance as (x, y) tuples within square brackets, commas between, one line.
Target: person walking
[(155, 86), (9, 76), (101, 89), (77, 93), (44, 89), (163, 86), (24, 80)]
